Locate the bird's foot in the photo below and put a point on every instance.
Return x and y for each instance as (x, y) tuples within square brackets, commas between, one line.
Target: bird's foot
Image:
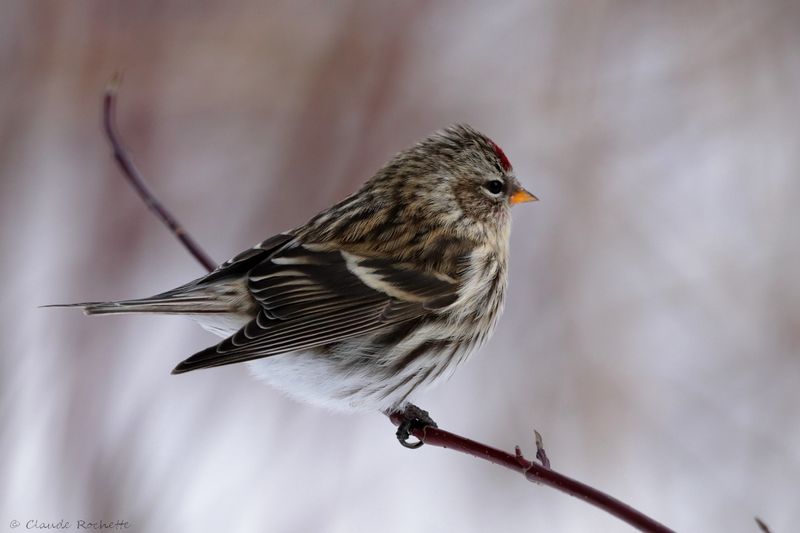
[(411, 418)]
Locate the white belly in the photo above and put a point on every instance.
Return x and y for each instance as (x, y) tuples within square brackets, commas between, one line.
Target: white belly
[(355, 379), (221, 325)]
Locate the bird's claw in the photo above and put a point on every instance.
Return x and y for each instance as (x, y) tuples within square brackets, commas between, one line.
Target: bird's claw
[(404, 432), (412, 417)]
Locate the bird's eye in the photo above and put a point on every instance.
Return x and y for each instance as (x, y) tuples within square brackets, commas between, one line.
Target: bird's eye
[(494, 186)]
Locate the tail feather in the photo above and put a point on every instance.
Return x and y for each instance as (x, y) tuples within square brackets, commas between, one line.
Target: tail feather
[(152, 305), (180, 301)]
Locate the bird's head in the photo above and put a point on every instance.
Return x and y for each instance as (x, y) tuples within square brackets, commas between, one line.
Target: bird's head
[(458, 178), (455, 186)]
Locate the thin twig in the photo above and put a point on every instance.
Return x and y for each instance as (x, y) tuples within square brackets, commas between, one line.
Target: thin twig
[(535, 472), (762, 525), (135, 179), (540, 453)]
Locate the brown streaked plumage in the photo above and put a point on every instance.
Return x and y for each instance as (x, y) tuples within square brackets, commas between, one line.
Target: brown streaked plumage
[(383, 293)]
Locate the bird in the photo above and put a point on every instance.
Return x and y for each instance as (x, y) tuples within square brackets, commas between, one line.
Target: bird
[(375, 298)]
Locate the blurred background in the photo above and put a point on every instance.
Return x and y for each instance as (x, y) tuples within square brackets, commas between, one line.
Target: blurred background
[(652, 328)]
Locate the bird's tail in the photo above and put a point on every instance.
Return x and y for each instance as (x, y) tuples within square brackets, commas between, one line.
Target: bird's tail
[(181, 301)]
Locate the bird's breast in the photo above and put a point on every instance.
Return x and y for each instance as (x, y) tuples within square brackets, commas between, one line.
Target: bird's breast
[(482, 294)]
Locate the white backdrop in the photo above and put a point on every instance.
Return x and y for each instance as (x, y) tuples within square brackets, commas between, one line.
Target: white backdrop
[(652, 326)]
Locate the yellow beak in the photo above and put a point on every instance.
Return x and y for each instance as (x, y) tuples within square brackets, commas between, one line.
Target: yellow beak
[(521, 196)]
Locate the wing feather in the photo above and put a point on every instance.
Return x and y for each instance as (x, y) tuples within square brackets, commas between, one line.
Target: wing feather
[(311, 297)]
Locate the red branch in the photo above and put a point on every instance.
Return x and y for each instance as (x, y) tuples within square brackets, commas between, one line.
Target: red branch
[(538, 473)]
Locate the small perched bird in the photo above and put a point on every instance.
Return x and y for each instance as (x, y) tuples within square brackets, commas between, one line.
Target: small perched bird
[(375, 297)]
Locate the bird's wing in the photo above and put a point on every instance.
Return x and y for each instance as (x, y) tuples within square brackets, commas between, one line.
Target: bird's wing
[(246, 260), (311, 296)]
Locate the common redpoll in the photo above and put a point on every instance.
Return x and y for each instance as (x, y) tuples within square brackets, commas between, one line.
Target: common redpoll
[(374, 298)]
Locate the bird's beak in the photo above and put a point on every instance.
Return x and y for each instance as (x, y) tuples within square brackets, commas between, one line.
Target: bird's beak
[(521, 196)]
